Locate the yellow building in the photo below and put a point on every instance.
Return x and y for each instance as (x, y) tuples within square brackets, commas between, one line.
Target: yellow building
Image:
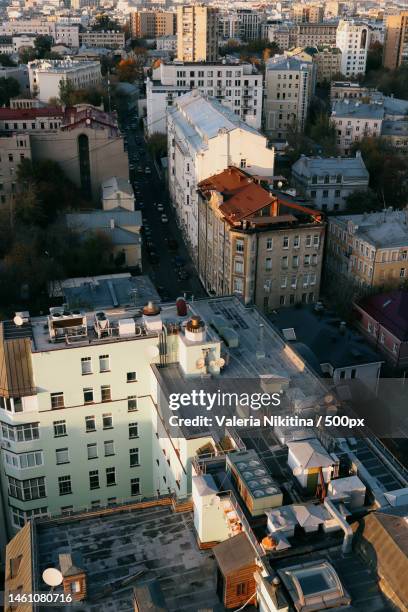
[(197, 33)]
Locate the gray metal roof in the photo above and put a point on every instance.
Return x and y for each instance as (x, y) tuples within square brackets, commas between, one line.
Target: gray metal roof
[(363, 111), (380, 229), (102, 220), (281, 62), (349, 167)]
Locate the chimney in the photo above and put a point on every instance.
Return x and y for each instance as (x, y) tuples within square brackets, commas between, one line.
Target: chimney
[(112, 224), (74, 578)]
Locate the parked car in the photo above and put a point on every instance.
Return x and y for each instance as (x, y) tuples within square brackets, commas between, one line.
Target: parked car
[(183, 275), (164, 218), (147, 170), (160, 208)]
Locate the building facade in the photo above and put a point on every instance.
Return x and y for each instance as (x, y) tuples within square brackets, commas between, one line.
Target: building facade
[(47, 75), (204, 138), (13, 149), (197, 33), (152, 24), (353, 40), (237, 86), (255, 245), (354, 121), (369, 250), (307, 13), (109, 39), (289, 86), (62, 33), (327, 182), (396, 40)]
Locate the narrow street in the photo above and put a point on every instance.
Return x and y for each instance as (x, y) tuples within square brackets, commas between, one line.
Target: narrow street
[(170, 269)]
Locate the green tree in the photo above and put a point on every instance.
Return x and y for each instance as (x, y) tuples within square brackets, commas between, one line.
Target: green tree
[(9, 88), (157, 145), (104, 22), (362, 201), (27, 54), (5, 60), (42, 45), (66, 92), (323, 132), (374, 57)]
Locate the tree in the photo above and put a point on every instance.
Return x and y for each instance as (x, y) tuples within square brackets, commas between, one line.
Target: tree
[(42, 45), (374, 56), (362, 201), (104, 22), (323, 132), (66, 92), (5, 60), (26, 54), (127, 70), (9, 88), (157, 145)]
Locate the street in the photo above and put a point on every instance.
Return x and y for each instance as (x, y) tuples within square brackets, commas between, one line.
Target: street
[(170, 269)]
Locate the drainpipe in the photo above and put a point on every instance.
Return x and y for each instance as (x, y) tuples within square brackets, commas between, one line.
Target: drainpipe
[(348, 532)]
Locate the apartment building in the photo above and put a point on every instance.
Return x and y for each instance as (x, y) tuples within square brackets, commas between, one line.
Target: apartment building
[(383, 321), (197, 33), (369, 250), (204, 138), (396, 40), (13, 149), (30, 119), (328, 181), (353, 39), (256, 245), (167, 43), (354, 120), (307, 13), (152, 24), (342, 90), (109, 39), (312, 34), (289, 86), (61, 33), (236, 85), (328, 62), (240, 24), (46, 76)]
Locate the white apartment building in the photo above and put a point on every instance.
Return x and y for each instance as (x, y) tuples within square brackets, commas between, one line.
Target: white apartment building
[(241, 24), (46, 76), (62, 33), (109, 39), (354, 120), (167, 43), (204, 138), (289, 86), (353, 39), (237, 86)]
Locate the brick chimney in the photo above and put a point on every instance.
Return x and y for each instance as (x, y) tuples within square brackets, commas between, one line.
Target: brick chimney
[(74, 578)]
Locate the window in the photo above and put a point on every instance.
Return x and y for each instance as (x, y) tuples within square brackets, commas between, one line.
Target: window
[(64, 485), (90, 423), (88, 395), (239, 266), (107, 421), (382, 338), (24, 460), (110, 477), (295, 261), (402, 272), (94, 479), (239, 246), (106, 393), (243, 162), (395, 348), (135, 486), (308, 241), (104, 365), (296, 242), (26, 490), (133, 430), (109, 448), (60, 429), (268, 264), (269, 244), (353, 373), (92, 450), (86, 365), (132, 403), (134, 457), (62, 455), (286, 242), (57, 400), (316, 240), (238, 285), (242, 588), (284, 262), (131, 377), (20, 517)]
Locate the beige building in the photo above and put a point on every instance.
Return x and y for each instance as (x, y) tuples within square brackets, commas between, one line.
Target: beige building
[(289, 86), (263, 248), (46, 76), (328, 62), (396, 40), (369, 250), (109, 39), (312, 34), (307, 13), (354, 121), (152, 24), (13, 149), (197, 33)]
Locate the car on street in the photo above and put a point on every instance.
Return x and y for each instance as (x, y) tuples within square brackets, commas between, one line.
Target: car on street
[(183, 275), (164, 218), (147, 170), (160, 208)]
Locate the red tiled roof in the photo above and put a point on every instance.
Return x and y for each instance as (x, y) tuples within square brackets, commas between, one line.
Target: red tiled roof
[(242, 196), (390, 310), (77, 116), (30, 113)]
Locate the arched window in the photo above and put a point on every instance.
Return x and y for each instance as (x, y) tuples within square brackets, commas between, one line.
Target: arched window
[(84, 165)]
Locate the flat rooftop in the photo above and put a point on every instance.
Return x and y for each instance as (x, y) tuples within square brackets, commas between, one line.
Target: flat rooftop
[(318, 337), (154, 540), (383, 229)]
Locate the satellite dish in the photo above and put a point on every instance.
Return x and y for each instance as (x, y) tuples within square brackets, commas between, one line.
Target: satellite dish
[(52, 576), (18, 320), (221, 362), (200, 363)]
